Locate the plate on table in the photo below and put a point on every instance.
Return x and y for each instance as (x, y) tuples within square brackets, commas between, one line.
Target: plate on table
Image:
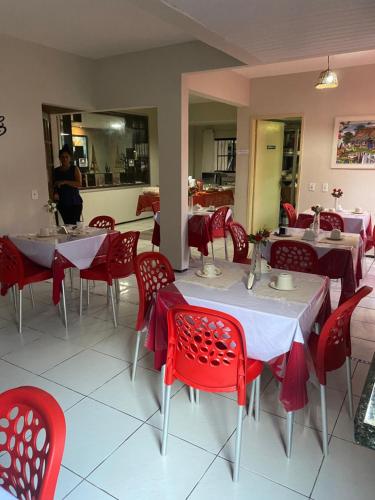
[(357, 213), (201, 274), (334, 239), (273, 285), (281, 235)]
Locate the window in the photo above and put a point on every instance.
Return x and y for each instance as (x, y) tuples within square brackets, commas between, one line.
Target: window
[(225, 152)]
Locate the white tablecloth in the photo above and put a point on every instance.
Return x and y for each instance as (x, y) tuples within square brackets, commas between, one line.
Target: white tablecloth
[(204, 211), (270, 324), (353, 223), (80, 250)]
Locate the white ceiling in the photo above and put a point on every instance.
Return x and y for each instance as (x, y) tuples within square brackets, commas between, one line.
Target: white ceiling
[(90, 28)]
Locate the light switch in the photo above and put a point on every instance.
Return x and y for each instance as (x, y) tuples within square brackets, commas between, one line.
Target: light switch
[(312, 186), (325, 187), (34, 194)]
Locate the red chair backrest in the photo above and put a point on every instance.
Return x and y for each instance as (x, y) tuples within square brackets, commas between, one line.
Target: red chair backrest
[(217, 223), (334, 343), (11, 264), (294, 256), (240, 241), (290, 213), (206, 350), (334, 219), (155, 206), (33, 426), (122, 253), (103, 221), (307, 220), (153, 271)]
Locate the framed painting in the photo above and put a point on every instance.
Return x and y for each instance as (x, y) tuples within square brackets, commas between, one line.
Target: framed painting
[(354, 143)]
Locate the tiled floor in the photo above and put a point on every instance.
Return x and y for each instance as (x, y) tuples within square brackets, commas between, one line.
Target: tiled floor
[(113, 425)]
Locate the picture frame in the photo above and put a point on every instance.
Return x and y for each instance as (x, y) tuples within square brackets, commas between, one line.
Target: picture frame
[(354, 143)]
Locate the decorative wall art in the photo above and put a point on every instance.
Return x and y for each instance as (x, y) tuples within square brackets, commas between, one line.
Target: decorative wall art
[(3, 128), (354, 143)]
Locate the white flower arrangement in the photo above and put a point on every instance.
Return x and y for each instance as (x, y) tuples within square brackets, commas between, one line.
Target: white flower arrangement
[(51, 207)]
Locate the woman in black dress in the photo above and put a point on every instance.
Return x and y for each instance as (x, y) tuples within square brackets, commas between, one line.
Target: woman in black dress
[(67, 181)]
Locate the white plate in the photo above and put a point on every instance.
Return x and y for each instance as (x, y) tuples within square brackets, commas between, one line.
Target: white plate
[(273, 285), (201, 274), (334, 239), (357, 213)]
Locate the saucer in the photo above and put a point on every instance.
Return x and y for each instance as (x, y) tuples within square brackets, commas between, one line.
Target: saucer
[(201, 274), (272, 284), (334, 239), (357, 213)]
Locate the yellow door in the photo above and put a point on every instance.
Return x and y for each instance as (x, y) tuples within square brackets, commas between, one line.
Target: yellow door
[(269, 141)]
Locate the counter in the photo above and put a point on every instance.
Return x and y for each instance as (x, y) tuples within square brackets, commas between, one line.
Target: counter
[(364, 422)]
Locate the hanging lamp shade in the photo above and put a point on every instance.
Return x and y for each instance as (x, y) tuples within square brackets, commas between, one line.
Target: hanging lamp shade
[(327, 79)]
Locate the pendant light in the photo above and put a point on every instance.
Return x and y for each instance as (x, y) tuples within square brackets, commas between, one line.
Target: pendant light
[(327, 79)]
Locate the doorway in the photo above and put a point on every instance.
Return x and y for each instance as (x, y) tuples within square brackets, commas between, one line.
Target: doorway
[(276, 170)]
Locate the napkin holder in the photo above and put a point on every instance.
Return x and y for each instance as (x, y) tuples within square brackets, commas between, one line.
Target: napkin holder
[(308, 235)]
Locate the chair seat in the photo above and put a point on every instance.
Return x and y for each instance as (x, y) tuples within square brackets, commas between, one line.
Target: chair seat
[(100, 273), (253, 369), (34, 273)]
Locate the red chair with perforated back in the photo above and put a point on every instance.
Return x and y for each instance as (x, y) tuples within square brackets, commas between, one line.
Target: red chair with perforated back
[(305, 223), (240, 243), (119, 264), (153, 272), (207, 351), (333, 218), (290, 213), (103, 221), (217, 228), (33, 426), (294, 256), (17, 269)]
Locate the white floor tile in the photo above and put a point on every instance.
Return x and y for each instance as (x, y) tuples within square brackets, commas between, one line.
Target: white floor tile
[(93, 432), (362, 330), (263, 452), (137, 470), (87, 371), (217, 483), (347, 473), (121, 344), (11, 340), (87, 331), (43, 354), (359, 378), (66, 482), (363, 349), (344, 427), (86, 491), (208, 424)]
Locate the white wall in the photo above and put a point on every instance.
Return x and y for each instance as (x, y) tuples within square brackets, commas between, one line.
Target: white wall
[(32, 75), (295, 94)]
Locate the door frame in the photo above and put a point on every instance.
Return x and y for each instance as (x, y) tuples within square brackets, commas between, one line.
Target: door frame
[(252, 163)]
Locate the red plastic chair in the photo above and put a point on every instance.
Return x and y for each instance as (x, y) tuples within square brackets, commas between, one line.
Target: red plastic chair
[(334, 219), (306, 221), (207, 351), (155, 206), (119, 264), (294, 256), (291, 214), (103, 221), (240, 243), (153, 272), (217, 228), (16, 269), (33, 425)]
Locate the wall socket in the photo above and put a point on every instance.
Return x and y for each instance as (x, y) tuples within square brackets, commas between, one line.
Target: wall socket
[(325, 187), (312, 186), (34, 194)]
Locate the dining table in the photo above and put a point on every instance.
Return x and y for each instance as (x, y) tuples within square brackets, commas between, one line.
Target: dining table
[(198, 228), (276, 324), (337, 259), (80, 248), (354, 222)]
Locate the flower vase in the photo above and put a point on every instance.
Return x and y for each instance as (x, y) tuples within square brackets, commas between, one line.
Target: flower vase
[(257, 261), (316, 224), (336, 201)]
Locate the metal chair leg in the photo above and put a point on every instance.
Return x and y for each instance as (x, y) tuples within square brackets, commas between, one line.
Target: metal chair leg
[(250, 408), (32, 296), (166, 420), (323, 406), (152, 248), (237, 458), (225, 248), (135, 358), (71, 278), (117, 286), (113, 305), (64, 304), (349, 382), (14, 295), (80, 295), (191, 395), (197, 396), (20, 311), (212, 250), (257, 398), (162, 396), (202, 259), (289, 421), (88, 292)]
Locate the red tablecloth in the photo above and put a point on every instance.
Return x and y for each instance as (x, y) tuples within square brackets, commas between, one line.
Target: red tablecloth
[(291, 368), (145, 202)]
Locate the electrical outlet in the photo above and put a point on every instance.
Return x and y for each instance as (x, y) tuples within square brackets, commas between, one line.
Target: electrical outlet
[(312, 186), (34, 194), (325, 187)]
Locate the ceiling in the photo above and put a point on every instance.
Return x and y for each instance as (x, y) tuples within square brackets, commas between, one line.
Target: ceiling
[(256, 32)]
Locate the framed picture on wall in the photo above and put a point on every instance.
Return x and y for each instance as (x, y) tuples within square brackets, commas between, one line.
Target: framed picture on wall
[(354, 143)]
